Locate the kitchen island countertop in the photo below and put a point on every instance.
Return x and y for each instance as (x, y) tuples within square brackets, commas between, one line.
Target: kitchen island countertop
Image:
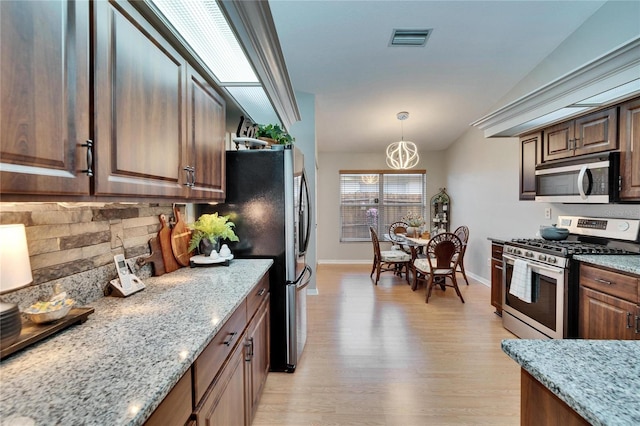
[(621, 262), (598, 379), (118, 366)]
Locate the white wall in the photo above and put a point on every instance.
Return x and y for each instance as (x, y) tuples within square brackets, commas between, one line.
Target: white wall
[(330, 249), (481, 175)]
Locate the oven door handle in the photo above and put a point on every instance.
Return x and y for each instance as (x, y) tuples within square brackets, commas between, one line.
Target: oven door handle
[(536, 265)]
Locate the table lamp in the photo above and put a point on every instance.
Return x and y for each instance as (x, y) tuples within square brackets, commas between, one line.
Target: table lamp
[(15, 272)]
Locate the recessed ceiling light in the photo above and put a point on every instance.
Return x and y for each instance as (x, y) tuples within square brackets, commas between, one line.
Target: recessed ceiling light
[(416, 38)]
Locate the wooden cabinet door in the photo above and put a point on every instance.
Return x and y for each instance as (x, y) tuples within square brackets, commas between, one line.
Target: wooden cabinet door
[(529, 159), (596, 132), (630, 150), (257, 355), (558, 141), (224, 403), (44, 88), (205, 139), (139, 106), (496, 285), (605, 317)]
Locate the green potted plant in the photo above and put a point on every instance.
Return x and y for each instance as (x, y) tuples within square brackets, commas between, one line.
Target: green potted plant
[(274, 134), (209, 230)]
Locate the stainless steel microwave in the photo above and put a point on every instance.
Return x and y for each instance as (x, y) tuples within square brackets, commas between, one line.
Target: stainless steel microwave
[(589, 179)]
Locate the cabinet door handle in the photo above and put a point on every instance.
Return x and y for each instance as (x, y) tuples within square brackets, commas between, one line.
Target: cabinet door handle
[(262, 291), (601, 281), (230, 339), (499, 267), (193, 177), (89, 146), (629, 315), (637, 330), (187, 170), (248, 351)]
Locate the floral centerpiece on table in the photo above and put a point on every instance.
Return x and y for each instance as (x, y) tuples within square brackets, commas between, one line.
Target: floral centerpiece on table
[(413, 219), (213, 228)]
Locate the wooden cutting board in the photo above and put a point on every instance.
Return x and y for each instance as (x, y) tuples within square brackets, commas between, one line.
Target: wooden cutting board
[(164, 236), (180, 238), (155, 258)]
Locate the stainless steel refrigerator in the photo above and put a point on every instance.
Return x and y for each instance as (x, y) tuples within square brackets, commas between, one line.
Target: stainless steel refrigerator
[(268, 200)]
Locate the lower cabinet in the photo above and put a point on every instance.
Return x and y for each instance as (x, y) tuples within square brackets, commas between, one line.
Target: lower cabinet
[(609, 305), (496, 277), (539, 406), (224, 402), (257, 356), (224, 384)]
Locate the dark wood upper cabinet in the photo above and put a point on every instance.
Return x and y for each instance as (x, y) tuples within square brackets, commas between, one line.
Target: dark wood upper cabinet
[(529, 159), (205, 139), (139, 106), (630, 150), (44, 97), (156, 127), (593, 133)]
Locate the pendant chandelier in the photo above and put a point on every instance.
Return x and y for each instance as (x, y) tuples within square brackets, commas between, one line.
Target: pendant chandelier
[(402, 154)]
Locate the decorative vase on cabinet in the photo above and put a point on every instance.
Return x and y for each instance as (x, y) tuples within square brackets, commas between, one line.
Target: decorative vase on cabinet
[(440, 212)]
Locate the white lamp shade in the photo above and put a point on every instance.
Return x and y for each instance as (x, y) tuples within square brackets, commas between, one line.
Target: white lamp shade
[(15, 267)]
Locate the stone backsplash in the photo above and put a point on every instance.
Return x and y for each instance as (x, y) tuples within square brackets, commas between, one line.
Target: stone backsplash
[(73, 244)]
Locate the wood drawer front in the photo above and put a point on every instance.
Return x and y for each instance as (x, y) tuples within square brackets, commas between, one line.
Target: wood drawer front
[(613, 283), (496, 251), (208, 364), (257, 295), (176, 408)]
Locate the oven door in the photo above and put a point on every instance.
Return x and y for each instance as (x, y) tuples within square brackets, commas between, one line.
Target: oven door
[(544, 317)]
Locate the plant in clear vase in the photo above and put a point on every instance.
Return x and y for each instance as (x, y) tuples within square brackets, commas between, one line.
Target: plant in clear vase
[(209, 230)]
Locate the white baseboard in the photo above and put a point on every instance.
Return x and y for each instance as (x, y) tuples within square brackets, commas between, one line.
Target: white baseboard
[(344, 262)]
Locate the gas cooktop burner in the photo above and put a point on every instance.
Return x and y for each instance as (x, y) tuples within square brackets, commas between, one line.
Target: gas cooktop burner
[(567, 248)]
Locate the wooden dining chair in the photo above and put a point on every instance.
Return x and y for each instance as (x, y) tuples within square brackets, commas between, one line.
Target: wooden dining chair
[(462, 232), (388, 260), (439, 264)]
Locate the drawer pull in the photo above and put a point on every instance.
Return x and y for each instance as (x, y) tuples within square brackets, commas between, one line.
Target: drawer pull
[(230, 339), (637, 330), (629, 314), (262, 291), (601, 281)]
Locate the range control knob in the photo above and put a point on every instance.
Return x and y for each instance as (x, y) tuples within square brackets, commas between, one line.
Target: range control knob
[(551, 259), (542, 257), (518, 251), (528, 254)]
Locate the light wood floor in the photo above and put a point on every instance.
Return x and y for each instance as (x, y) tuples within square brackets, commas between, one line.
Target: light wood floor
[(378, 355)]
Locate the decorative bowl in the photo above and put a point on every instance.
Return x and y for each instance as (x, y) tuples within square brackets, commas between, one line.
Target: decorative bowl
[(43, 312), (554, 234)]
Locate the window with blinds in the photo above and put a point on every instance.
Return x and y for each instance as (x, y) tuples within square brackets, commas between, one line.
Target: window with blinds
[(378, 198)]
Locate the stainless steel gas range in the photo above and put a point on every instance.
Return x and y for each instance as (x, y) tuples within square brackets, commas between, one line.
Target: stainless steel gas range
[(540, 280)]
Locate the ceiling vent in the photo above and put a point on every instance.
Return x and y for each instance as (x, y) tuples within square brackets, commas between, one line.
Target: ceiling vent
[(410, 37)]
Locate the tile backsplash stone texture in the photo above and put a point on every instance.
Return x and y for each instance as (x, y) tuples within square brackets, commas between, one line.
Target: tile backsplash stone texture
[(73, 244)]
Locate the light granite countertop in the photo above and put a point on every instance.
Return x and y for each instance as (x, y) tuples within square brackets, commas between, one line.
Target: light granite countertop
[(118, 366), (599, 379), (621, 262)]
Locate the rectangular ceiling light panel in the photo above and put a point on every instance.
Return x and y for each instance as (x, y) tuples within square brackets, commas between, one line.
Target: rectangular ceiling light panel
[(416, 38), (255, 102), (205, 29)]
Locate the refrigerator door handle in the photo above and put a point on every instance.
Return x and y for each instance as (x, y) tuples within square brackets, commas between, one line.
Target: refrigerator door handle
[(300, 282)]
